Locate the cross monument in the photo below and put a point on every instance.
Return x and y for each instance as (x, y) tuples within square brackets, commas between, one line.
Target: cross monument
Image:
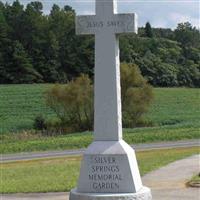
[(109, 168)]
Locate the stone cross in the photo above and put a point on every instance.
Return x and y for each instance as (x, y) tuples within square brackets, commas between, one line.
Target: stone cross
[(109, 169), (106, 25)]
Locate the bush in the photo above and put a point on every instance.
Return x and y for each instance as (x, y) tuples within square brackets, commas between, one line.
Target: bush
[(137, 96), (55, 127), (73, 103), (40, 123)]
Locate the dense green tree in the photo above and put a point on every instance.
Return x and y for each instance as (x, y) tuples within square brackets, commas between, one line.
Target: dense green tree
[(161, 60), (68, 8), (51, 68), (14, 18), (75, 53), (54, 11), (187, 35), (163, 33), (49, 45), (5, 44), (35, 7), (20, 70), (148, 30), (3, 29)]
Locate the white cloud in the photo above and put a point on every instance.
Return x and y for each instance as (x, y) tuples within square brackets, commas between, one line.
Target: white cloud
[(160, 13), (159, 23), (178, 18)]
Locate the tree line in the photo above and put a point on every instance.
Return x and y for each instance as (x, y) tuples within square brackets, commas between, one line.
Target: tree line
[(39, 48)]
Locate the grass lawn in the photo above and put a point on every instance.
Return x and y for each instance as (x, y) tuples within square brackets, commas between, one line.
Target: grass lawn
[(82, 140), (195, 181), (61, 174)]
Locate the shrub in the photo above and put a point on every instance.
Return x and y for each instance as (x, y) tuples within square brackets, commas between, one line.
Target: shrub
[(40, 123), (73, 103), (56, 127), (137, 96)]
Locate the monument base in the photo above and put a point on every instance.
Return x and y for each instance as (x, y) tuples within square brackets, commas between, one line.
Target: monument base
[(109, 171), (143, 194)]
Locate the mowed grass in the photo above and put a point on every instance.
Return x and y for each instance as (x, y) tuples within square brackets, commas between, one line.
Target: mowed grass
[(196, 179), (61, 174), (82, 140)]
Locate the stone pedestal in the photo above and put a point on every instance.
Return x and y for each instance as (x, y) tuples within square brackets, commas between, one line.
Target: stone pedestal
[(143, 194), (109, 171)]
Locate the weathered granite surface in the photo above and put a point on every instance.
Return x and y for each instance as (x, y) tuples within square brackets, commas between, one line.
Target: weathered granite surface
[(143, 194), (109, 169)]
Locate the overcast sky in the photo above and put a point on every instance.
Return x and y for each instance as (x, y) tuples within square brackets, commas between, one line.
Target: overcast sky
[(162, 13)]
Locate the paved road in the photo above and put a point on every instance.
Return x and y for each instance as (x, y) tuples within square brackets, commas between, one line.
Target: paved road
[(167, 183), (137, 147)]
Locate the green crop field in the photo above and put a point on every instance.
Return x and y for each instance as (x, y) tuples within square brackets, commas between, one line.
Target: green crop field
[(175, 114), (19, 105), (176, 106)]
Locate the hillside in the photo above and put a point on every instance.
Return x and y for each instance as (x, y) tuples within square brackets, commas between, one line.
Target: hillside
[(38, 48), (20, 104)]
